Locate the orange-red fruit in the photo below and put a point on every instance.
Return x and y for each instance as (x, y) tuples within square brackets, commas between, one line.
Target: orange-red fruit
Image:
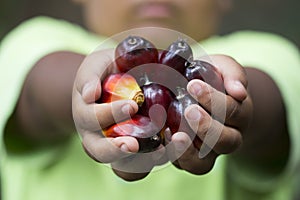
[(147, 133), (121, 86)]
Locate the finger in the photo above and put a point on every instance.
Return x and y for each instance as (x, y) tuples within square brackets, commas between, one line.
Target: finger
[(96, 117), (108, 150), (110, 113), (160, 156), (234, 76), (139, 162), (91, 91), (189, 159), (223, 139), (92, 70), (134, 164), (179, 143), (130, 176), (95, 66), (176, 164), (221, 106), (170, 148), (167, 136)]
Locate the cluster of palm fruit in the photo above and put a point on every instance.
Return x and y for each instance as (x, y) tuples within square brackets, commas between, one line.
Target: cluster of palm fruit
[(146, 126)]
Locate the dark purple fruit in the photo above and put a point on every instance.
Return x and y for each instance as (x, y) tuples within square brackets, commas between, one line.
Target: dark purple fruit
[(147, 133), (206, 72), (176, 120), (135, 51), (176, 55), (156, 94)]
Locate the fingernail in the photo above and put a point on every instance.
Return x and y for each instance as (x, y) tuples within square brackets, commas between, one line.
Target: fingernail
[(238, 85), (180, 146), (127, 109), (193, 114), (86, 88), (90, 91), (196, 89), (168, 135), (124, 148)]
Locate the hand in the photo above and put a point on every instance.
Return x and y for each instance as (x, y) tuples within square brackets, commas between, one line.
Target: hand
[(222, 133), (91, 118)]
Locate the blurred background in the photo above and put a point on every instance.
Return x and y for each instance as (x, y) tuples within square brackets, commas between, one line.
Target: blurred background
[(277, 16)]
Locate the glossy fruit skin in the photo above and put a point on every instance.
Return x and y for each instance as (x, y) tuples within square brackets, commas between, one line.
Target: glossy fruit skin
[(176, 120), (155, 94), (120, 86), (134, 51), (147, 133), (206, 72), (176, 55)]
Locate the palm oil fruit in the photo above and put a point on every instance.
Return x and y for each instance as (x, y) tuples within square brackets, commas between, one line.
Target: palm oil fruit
[(176, 120), (177, 55), (155, 94), (134, 51), (120, 86), (148, 125), (206, 72), (147, 133)]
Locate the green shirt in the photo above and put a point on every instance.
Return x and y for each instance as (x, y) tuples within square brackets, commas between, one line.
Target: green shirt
[(66, 172)]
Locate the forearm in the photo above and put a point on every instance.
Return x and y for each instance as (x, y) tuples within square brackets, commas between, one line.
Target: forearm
[(266, 140), (44, 112)]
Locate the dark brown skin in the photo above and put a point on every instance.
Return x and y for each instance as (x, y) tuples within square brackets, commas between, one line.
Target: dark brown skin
[(44, 112), (266, 142), (43, 115)]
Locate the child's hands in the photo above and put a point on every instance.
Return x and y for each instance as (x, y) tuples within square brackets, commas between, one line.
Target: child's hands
[(121, 152), (91, 118), (225, 130)]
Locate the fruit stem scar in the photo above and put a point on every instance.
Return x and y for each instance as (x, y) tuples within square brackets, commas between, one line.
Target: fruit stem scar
[(155, 137), (132, 41), (192, 64), (181, 44), (180, 92), (145, 79), (139, 98)]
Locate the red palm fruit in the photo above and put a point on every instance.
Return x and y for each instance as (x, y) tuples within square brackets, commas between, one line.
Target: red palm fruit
[(121, 86), (176, 55), (134, 51), (206, 72), (155, 94), (147, 133), (160, 52), (176, 120)]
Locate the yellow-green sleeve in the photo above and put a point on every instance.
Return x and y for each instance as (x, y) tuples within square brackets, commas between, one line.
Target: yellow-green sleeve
[(279, 58), (24, 46), (67, 172), (19, 51)]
